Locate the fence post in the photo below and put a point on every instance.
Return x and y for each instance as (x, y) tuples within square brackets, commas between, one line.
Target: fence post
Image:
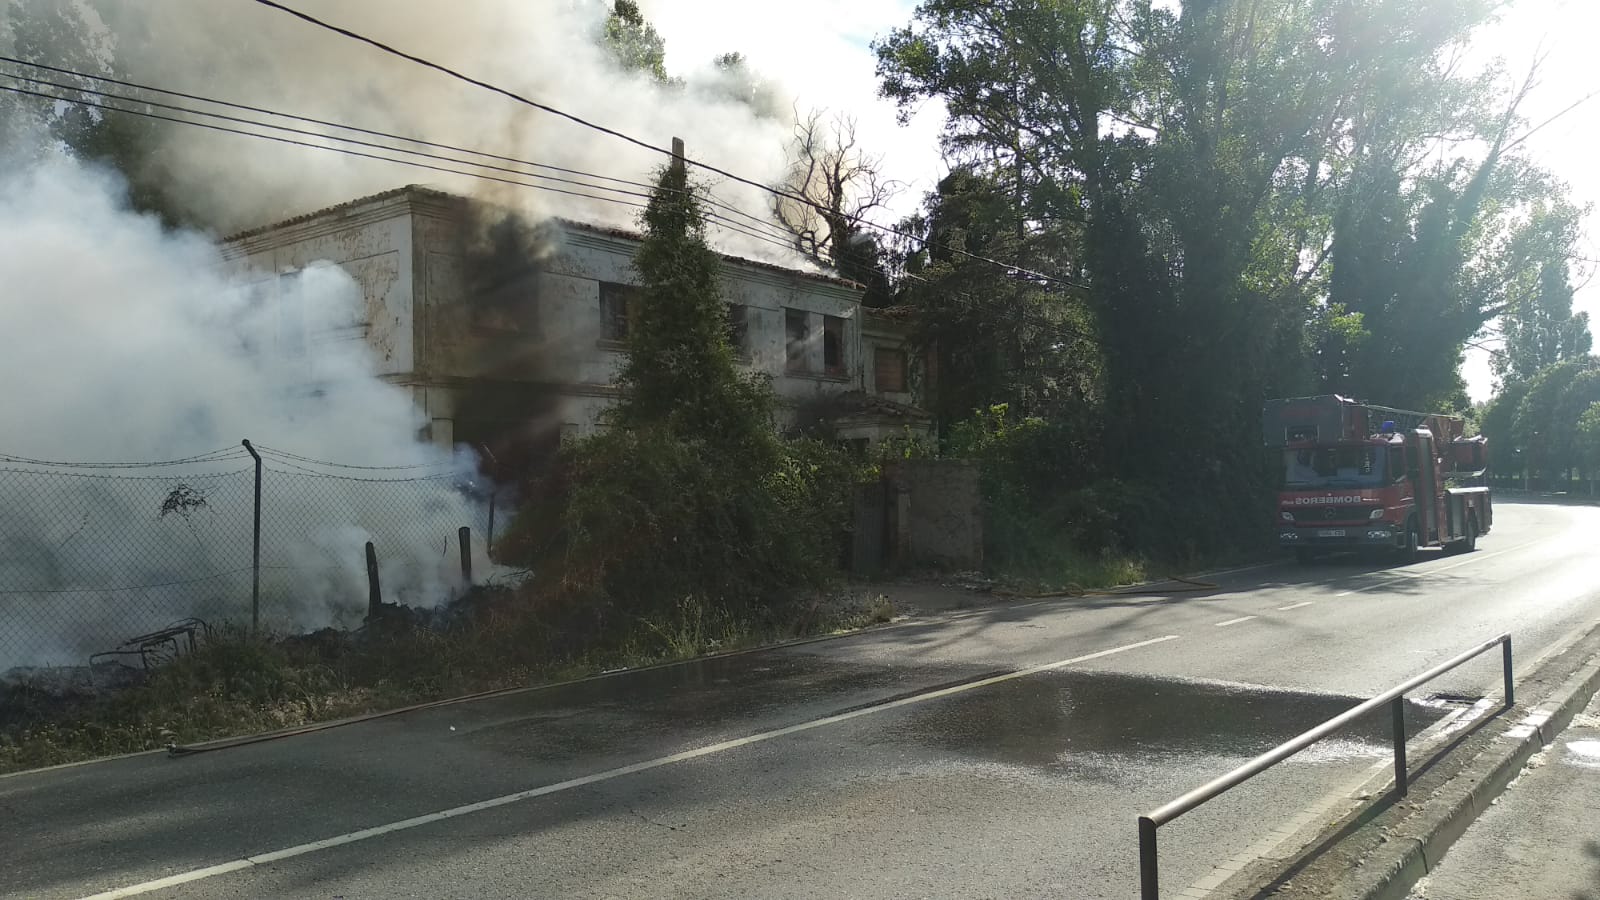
[(494, 492), (1398, 705), (374, 591), (464, 536), (489, 545), (1505, 656), (255, 553), (1149, 889)]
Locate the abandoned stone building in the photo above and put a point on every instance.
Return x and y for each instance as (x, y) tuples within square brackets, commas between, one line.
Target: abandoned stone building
[(509, 335)]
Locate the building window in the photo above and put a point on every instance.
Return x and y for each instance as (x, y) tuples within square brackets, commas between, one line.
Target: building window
[(739, 330), (833, 345), (889, 370), (797, 331), (619, 305)]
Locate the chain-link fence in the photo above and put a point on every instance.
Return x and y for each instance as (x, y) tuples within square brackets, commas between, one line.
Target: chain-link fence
[(95, 555)]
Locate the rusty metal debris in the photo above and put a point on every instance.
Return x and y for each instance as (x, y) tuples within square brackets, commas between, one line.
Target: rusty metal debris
[(157, 647)]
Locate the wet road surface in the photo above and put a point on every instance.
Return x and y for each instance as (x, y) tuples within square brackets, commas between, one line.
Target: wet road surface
[(1002, 752)]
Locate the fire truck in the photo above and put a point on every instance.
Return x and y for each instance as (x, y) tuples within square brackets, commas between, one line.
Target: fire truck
[(1375, 479)]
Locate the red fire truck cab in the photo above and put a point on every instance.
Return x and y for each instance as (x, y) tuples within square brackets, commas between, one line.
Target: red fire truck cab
[(1371, 478)]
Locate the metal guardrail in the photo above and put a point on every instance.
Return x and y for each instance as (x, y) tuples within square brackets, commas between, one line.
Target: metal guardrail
[(1395, 697)]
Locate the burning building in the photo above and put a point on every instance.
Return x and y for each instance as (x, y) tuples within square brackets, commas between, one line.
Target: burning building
[(509, 335)]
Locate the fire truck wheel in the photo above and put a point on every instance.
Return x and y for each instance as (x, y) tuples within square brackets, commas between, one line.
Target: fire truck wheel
[(1411, 551)]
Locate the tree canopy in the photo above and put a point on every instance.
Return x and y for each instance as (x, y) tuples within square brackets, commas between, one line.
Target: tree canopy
[(634, 43), (1191, 208)]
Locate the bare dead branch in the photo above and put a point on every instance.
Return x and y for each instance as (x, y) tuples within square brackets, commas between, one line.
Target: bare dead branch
[(838, 181)]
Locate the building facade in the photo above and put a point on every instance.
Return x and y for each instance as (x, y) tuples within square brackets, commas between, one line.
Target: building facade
[(510, 335)]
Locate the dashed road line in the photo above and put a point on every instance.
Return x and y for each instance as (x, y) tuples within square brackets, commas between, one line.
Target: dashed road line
[(1234, 621), (1296, 605)]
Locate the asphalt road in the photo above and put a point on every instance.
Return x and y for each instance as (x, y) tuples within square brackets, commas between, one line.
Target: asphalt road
[(1001, 752)]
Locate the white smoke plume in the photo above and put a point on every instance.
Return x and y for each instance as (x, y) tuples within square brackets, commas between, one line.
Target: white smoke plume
[(547, 50), (123, 342), (119, 341)]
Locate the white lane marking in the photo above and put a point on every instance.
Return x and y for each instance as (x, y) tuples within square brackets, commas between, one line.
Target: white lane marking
[(180, 878), (404, 824), (1476, 557), (1296, 605), (1234, 621)]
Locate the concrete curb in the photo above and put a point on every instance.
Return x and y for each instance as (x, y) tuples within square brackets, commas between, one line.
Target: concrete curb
[(1445, 826), (1392, 867)]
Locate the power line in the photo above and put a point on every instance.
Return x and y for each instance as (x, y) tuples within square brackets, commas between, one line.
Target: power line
[(775, 237), (1036, 321), (332, 137), (762, 229), (544, 107), (782, 238), (314, 146), (719, 220), (307, 119), (729, 224), (261, 110)]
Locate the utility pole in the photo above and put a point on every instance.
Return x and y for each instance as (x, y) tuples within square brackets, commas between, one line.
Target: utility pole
[(677, 155)]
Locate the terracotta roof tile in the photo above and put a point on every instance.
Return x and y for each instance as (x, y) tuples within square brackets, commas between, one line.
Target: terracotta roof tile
[(418, 190)]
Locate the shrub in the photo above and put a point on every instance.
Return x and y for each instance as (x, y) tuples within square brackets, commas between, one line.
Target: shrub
[(1048, 509)]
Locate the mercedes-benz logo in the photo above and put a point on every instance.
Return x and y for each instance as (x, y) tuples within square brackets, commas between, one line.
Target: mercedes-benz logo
[(1330, 512)]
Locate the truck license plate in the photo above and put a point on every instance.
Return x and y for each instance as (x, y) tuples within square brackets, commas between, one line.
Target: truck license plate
[(1330, 532)]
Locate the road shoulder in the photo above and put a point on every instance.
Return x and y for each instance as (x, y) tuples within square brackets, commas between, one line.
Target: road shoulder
[(1539, 839), (1377, 847)]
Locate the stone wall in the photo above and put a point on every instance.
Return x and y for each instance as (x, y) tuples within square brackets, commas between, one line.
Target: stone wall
[(925, 513)]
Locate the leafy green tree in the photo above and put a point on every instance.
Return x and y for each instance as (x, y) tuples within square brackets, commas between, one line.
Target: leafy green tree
[(1498, 426), (1589, 443), (1546, 418), (69, 35), (1335, 337), (1250, 197), (735, 79), (995, 339), (1582, 392), (1534, 280), (634, 43)]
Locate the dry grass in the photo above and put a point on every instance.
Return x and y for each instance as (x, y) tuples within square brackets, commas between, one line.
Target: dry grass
[(233, 685)]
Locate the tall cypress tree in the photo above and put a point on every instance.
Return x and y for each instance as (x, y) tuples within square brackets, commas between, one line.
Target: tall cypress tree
[(680, 373)]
